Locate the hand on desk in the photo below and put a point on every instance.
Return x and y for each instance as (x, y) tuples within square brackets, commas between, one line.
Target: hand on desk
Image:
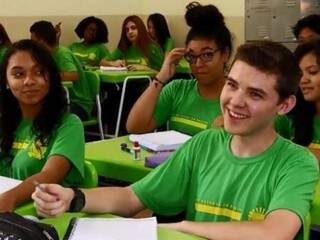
[(52, 199), (116, 63), (137, 67)]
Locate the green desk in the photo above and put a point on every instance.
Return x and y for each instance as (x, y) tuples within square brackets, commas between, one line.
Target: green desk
[(110, 161), (120, 76), (26, 209), (67, 84), (61, 224)]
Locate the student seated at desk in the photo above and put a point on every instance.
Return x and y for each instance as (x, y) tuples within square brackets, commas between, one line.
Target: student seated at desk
[(241, 182), (40, 140), (159, 32), (190, 106), (4, 42), (92, 49), (306, 114), (69, 66), (136, 49)]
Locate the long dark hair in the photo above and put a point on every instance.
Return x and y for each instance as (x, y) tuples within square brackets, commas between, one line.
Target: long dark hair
[(102, 30), (4, 38), (54, 105), (161, 28), (208, 22), (143, 42), (304, 111)]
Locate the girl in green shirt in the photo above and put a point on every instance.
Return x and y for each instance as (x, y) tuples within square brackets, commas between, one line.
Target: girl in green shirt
[(40, 140), (4, 42), (306, 115), (136, 49), (159, 32), (188, 106), (91, 50)]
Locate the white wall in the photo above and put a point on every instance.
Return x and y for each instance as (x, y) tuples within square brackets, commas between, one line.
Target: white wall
[(109, 7), (18, 15)]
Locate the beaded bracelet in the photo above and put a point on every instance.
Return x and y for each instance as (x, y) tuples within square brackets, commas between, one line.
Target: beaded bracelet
[(158, 81)]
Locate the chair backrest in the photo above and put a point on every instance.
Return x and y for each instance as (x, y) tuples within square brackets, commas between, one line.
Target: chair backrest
[(90, 176), (315, 206), (94, 83)]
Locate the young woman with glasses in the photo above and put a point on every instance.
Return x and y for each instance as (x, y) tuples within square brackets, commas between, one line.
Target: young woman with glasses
[(189, 106)]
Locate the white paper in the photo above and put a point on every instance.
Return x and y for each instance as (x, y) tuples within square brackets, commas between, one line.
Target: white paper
[(160, 141), (115, 229), (104, 68), (8, 183)]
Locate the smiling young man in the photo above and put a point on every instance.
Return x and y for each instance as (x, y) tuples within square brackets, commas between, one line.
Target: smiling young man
[(241, 182)]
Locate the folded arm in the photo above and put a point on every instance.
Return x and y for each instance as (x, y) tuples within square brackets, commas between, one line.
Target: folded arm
[(279, 225)]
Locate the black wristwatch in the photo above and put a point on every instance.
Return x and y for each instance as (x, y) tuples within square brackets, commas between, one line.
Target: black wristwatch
[(78, 201)]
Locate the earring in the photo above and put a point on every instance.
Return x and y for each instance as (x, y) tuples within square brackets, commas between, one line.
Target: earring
[(7, 86)]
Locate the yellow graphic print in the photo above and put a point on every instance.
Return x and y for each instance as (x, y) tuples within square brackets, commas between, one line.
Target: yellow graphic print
[(189, 121), (258, 213), (35, 150), (226, 210), (92, 56), (314, 146)]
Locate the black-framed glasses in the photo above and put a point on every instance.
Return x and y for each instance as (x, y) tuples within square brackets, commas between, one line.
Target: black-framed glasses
[(204, 57)]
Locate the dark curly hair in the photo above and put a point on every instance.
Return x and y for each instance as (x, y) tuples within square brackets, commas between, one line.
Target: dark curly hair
[(311, 21), (304, 111), (45, 31), (102, 33), (161, 28), (54, 106), (207, 22)]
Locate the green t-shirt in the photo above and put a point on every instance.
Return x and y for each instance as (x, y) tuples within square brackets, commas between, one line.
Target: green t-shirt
[(168, 45), (79, 93), (181, 104), (3, 51), (89, 54), (134, 56), (67, 140), (212, 184)]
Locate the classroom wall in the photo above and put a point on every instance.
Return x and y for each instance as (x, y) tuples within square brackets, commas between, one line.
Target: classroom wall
[(18, 15)]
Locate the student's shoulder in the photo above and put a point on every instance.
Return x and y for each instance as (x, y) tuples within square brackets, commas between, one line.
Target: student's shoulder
[(70, 119), (62, 50), (75, 45), (217, 135), (294, 153), (186, 84)]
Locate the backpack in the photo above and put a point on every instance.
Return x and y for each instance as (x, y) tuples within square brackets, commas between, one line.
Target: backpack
[(16, 227)]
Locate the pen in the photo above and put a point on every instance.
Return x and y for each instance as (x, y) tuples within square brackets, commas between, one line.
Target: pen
[(37, 185)]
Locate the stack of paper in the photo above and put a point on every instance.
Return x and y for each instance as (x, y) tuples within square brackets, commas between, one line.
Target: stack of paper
[(7, 183), (113, 229), (104, 68), (160, 141)]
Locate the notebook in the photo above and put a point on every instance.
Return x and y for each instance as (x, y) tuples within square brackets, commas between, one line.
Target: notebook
[(160, 141), (112, 229), (8, 183), (104, 68)]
